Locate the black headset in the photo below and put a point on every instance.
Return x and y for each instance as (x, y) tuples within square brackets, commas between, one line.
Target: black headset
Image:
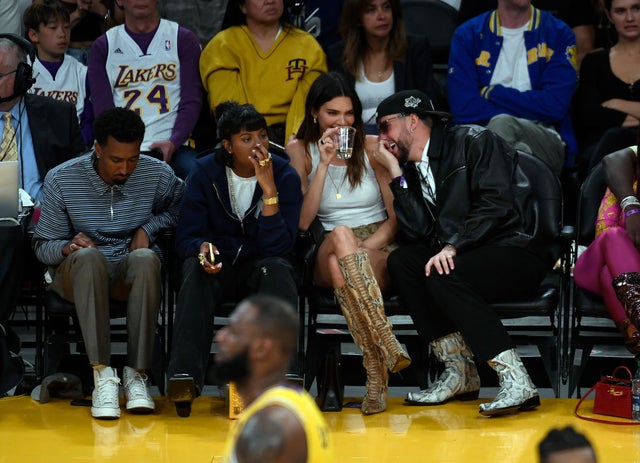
[(24, 73)]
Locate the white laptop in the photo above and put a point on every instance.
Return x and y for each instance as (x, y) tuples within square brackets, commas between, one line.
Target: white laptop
[(9, 198)]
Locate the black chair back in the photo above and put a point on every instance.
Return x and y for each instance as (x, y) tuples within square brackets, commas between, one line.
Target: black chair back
[(544, 206), (591, 193), (435, 19), (525, 318)]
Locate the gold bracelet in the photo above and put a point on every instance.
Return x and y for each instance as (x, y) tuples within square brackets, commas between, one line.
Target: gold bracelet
[(270, 201)]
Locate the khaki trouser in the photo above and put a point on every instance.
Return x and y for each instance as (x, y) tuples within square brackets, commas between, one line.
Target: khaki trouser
[(530, 137), (88, 280)]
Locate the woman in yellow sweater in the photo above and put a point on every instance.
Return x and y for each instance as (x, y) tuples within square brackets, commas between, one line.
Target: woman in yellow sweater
[(260, 58)]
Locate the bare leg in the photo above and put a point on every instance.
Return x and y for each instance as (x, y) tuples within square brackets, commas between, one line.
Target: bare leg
[(340, 243)]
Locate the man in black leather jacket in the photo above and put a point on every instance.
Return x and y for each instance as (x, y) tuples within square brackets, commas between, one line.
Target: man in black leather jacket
[(458, 198)]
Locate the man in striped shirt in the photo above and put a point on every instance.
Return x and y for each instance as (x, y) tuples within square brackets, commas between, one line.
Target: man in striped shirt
[(101, 215)]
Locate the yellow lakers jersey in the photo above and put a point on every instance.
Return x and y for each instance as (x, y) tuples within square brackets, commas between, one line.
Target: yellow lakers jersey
[(302, 405)]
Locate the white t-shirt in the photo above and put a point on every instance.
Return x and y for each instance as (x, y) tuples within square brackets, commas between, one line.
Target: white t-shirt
[(511, 69), (241, 189)]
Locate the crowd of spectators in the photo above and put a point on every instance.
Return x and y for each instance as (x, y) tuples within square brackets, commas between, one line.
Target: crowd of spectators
[(514, 68)]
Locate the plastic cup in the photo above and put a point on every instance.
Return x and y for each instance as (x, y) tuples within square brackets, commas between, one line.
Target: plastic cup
[(343, 140)]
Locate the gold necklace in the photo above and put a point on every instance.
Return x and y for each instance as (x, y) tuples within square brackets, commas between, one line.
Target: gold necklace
[(338, 188)]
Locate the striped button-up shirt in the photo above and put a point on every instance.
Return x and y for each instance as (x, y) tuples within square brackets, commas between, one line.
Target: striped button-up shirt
[(76, 199)]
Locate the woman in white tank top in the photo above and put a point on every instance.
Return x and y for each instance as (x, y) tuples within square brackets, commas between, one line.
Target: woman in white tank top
[(353, 201)]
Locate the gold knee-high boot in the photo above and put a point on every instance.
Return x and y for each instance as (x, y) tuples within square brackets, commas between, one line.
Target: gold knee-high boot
[(361, 281), (375, 397)]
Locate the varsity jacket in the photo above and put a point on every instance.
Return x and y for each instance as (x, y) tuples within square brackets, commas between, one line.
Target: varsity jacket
[(551, 58)]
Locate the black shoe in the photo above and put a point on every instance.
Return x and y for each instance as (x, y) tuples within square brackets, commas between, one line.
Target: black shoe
[(183, 409), (181, 390)]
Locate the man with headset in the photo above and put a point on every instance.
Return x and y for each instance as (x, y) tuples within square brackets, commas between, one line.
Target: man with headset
[(39, 133)]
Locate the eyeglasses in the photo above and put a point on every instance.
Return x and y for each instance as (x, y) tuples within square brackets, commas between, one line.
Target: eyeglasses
[(383, 127)]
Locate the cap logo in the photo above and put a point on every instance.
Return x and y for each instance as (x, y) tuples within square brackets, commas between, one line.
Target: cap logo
[(412, 102)]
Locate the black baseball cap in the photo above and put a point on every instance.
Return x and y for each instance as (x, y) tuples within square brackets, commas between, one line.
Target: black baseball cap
[(410, 102)]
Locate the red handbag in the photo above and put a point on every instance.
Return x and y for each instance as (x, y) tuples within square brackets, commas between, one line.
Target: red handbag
[(613, 398)]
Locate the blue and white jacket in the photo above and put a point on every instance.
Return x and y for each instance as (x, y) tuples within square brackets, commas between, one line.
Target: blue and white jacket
[(551, 59)]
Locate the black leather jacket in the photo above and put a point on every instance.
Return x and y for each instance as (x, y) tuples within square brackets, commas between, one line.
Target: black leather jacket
[(480, 192)]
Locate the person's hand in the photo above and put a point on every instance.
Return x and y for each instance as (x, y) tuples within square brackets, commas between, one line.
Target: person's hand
[(443, 261), (263, 165), (630, 121), (386, 158), (79, 241), (326, 146), (207, 258), (140, 240), (614, 103), (166, 147)]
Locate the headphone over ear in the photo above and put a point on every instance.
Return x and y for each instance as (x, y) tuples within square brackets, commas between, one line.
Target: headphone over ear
[(24, 73)]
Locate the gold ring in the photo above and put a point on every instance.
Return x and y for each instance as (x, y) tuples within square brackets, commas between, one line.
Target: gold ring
[(202, 259), (264, 162)]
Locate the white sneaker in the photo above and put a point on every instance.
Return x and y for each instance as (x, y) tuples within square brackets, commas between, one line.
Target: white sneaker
[(136, 391), (104, 401)]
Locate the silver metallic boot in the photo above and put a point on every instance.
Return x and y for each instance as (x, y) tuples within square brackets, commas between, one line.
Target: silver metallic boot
[(460, 378), (517, 391)]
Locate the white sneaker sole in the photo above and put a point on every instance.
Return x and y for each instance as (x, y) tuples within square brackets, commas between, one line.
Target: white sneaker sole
[(105, 413), (141, 406)]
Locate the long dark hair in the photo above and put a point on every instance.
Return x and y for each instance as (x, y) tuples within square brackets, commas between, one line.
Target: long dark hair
[(610, 32), (232, 118), (355, 42), (233, 15), (325, 88)]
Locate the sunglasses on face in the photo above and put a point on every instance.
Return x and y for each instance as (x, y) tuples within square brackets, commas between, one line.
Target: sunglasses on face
[(383, 127)]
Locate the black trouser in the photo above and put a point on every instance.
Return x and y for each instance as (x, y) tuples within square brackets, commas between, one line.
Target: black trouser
[(200, 294), (443, 304), (12, 258)]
